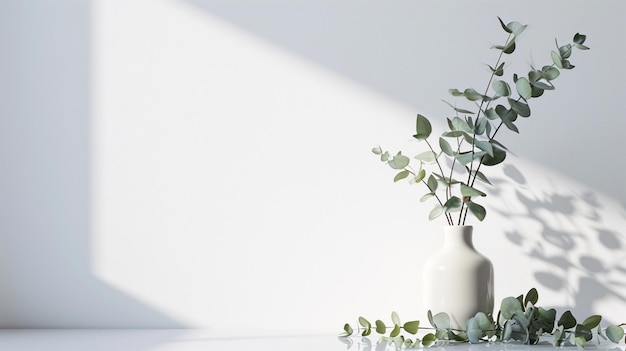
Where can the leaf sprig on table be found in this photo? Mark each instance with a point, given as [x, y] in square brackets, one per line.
[519, 319]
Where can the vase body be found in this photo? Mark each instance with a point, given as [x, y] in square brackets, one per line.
[457, 279]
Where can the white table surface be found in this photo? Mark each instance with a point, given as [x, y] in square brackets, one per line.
[196, 340]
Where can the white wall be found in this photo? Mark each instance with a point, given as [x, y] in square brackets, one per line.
[206, 163]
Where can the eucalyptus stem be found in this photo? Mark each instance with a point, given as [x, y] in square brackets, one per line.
[519, 319]
[471, 179]
[480, 164]
[448, 193]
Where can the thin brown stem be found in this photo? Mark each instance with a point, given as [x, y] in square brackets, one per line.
[471, 179]
[448, 216]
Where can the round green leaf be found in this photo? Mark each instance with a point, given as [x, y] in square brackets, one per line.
[545, 319]
[453, 134]
[467, 190]
[477, 210]
[523, 88]
[550, 73]
[485, 323]
[567, 320]
[399, 161]
[535, 75]
[385, 156]
[412, 327]
[436, 212]
[395, 318]
[485, 146]
[556, 58]
[458, 124]
[510, 306]
[364, 322]
[566, 64]
[395, 331]
[445, 147]
[498, 156]
[348, 329]
[501, 88]
[592, 321]
[537, 92]
[474, 332]
[491, 113]
[401, 175]
[453, 204]
[479, 175]
[565, 51]
[455, 92]
[428, 339]
[429, 315]
[420, 176]
[426, 197]
[579, 38]
[509, 47]
[472, 95]
[423, 128]
[581, 47]
[427, 157]
[520, 108]
[481, 126]
[377, 150]
[532, 296]
[380, 327]
[614, 333]
[432, 184]
[542, 85]
[516, 28]
[441, 320]
[469, 156]
[506, 114]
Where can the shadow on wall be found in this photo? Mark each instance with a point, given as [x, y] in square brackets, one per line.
[45, 260]
[581, 257]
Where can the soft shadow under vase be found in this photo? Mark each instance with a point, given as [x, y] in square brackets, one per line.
[457, 279]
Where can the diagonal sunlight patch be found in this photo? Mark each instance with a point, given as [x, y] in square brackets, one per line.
[225, 168]
[233, 188]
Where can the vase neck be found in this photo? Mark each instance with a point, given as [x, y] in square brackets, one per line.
[458, 236]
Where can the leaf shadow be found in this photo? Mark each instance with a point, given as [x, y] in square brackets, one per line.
[581, 254]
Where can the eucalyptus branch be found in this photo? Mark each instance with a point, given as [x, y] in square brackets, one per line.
[493, 74]
[477, 130]
[519, 319]
[436, 159]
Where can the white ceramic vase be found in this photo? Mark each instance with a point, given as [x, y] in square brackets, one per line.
[457, 279]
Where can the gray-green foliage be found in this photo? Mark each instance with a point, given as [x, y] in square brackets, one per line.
[519, 320]
[470, 139]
